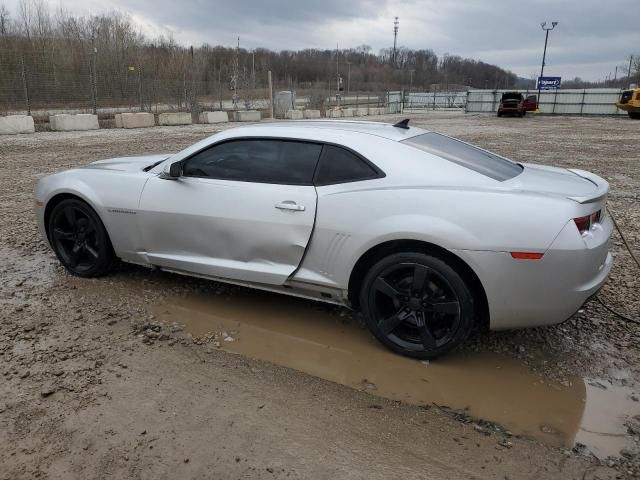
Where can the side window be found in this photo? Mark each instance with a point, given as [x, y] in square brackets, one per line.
[257, 160]
[338, 165]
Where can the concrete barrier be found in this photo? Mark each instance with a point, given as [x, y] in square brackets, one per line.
[293, 114]
[347, 112]
[13, 124]
[246, 116]
[66, 122]
[361, 112]
[213, 117]
[311, 113]
[135, 120]
[376, 111]
[334, 113]
[177, 118]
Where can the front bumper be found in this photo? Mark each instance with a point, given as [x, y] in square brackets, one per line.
[530, 293]
[629, 107]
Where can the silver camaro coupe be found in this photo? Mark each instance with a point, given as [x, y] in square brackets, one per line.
[423, 233]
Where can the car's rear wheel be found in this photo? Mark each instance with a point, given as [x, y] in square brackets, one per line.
[634, 115]
[79, 239]
[417, 305]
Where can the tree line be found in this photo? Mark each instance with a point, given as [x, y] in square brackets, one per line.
[63, 56]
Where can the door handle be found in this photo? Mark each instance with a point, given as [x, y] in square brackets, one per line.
[290, 205]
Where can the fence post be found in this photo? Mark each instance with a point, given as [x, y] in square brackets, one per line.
[270, 94]
[466, 103]
[140, 89]
[94, 79]
[555, 99]
[584, 94]
[25, 85]
[220, 86]
[184, 87]
[368, 103]
[194, 95]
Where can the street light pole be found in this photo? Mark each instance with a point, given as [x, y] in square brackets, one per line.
[544, 54]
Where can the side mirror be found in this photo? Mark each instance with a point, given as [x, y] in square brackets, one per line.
[175, 170]
[174, 173]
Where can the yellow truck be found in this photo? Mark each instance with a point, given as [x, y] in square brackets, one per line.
[630, 102]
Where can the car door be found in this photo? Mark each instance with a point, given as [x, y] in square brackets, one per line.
[243, 209]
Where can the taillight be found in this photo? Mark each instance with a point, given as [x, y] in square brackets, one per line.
[584, 223]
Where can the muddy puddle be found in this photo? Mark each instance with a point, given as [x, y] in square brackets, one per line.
[311, 338]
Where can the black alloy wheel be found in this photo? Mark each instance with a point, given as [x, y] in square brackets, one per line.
[417, 305]
[79, 239]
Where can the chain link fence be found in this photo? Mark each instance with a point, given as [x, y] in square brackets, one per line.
[36, 84]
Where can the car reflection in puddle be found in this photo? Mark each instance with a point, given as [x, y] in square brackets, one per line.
[307, 337]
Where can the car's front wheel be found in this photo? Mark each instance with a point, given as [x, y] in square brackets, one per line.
[417, 305]
[79, 239]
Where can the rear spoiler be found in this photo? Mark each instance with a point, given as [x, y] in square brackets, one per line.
[602, 187]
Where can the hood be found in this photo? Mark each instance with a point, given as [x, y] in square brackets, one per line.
[556, 181]
[128, 164]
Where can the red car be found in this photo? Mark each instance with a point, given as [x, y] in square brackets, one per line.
[514, 103]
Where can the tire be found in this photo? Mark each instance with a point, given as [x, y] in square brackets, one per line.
[417, 305]
[499, 114]
[524, 113]
[79, 239]
[634, 115]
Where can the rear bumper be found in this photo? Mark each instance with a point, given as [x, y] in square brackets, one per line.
[530, 293]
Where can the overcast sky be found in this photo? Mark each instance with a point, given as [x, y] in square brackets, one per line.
[593, 36]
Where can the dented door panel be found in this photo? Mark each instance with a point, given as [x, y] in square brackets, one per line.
[246, 231]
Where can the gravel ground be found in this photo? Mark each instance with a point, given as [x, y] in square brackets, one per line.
[93, 387]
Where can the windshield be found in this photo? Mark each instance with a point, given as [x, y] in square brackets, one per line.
[473, 158]
[512, 96]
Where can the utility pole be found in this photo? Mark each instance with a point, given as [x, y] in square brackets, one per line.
[544, 54]
[615, 75]
[629, 71]
[348, 77]
[396, 25]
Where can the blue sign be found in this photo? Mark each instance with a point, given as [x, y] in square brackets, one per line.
[549, 83]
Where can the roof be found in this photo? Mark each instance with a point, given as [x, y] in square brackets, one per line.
[385, 130]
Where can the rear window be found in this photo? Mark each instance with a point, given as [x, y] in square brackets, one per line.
[473, 158]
